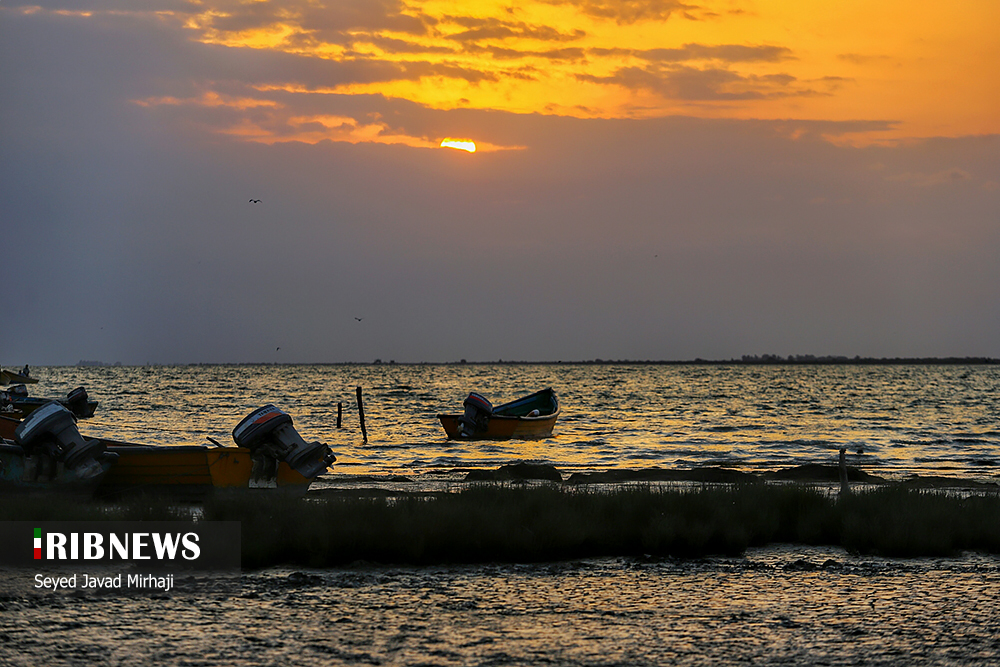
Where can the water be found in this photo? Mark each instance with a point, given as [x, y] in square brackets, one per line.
[779, 605]
[776, 606]
[895, 421]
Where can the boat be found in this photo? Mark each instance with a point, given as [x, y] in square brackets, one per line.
[16, 377]
[17, 403]
[529, 417]
[19, 475]
[191, 471]
[269, 454]
[8, 425]
[48, 456]
[47, 452]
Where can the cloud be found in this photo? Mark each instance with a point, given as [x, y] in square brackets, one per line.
[315, 129]
[831, 131]
[626, 12]
[106, 6]
[731, 53]
[512, 60]
[323, 22]
[396, 46]
[710, 84]
[209, 98]
[569, 54]
[480, 29]
[861, 59]
[922, 180]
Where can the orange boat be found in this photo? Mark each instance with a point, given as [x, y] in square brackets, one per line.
[269, 454]
[191, 471]
[527, 418]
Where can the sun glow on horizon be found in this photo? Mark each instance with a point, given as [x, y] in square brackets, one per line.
[460, 144]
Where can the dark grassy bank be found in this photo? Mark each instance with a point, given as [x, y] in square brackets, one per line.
[517, 524]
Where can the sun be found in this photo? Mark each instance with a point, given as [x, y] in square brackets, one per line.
[460, 144]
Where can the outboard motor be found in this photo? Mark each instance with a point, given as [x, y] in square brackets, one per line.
[269, 435]
[49, 434]
[476, 417]
[76, 401]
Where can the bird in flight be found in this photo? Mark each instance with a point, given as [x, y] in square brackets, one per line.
[358, 318]
[276, 349]
[254, 201]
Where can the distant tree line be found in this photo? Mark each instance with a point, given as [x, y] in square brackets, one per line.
[745, 360]
[765, 359]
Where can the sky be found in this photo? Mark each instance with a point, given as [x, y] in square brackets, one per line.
[651, 180]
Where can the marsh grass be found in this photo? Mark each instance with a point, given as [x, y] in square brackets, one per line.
[514, 523]
[508, 523]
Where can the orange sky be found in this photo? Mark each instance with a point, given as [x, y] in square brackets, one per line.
[926, 67]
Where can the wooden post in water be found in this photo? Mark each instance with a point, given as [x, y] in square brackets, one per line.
[361, 414]
[845, 487]
[340, 413]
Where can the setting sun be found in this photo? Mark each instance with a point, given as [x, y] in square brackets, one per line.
[460, 144]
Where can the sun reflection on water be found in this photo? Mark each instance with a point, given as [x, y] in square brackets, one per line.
[893, 420]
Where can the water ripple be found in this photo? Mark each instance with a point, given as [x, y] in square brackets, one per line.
[905, 419]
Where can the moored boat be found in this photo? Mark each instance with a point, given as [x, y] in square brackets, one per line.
[49, 456]
[16, 377]
[269, 454]
[8, 425]
[18, 403]
[19, 475]
[529, 417]
[191, 471]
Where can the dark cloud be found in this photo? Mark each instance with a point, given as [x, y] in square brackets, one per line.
[398, 46]
[567, 54]
[116, 6]
[331, 22]
[709, 84]
[732, 53]
[478, 29]
[631, 11]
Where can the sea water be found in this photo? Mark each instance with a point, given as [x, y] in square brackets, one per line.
[782, 604]
[894, 420]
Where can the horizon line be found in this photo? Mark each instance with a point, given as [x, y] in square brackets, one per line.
[745, 360]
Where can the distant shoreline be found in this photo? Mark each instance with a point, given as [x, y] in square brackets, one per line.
[764, 360]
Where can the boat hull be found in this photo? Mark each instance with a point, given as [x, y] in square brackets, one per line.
[10, 377]
[528, 418]
[504, 428]
[191, 471]
[65, 482]
[7, 426]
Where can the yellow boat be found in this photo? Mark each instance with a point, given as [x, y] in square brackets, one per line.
[530, 417]
[191, 471]
[269, 454]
